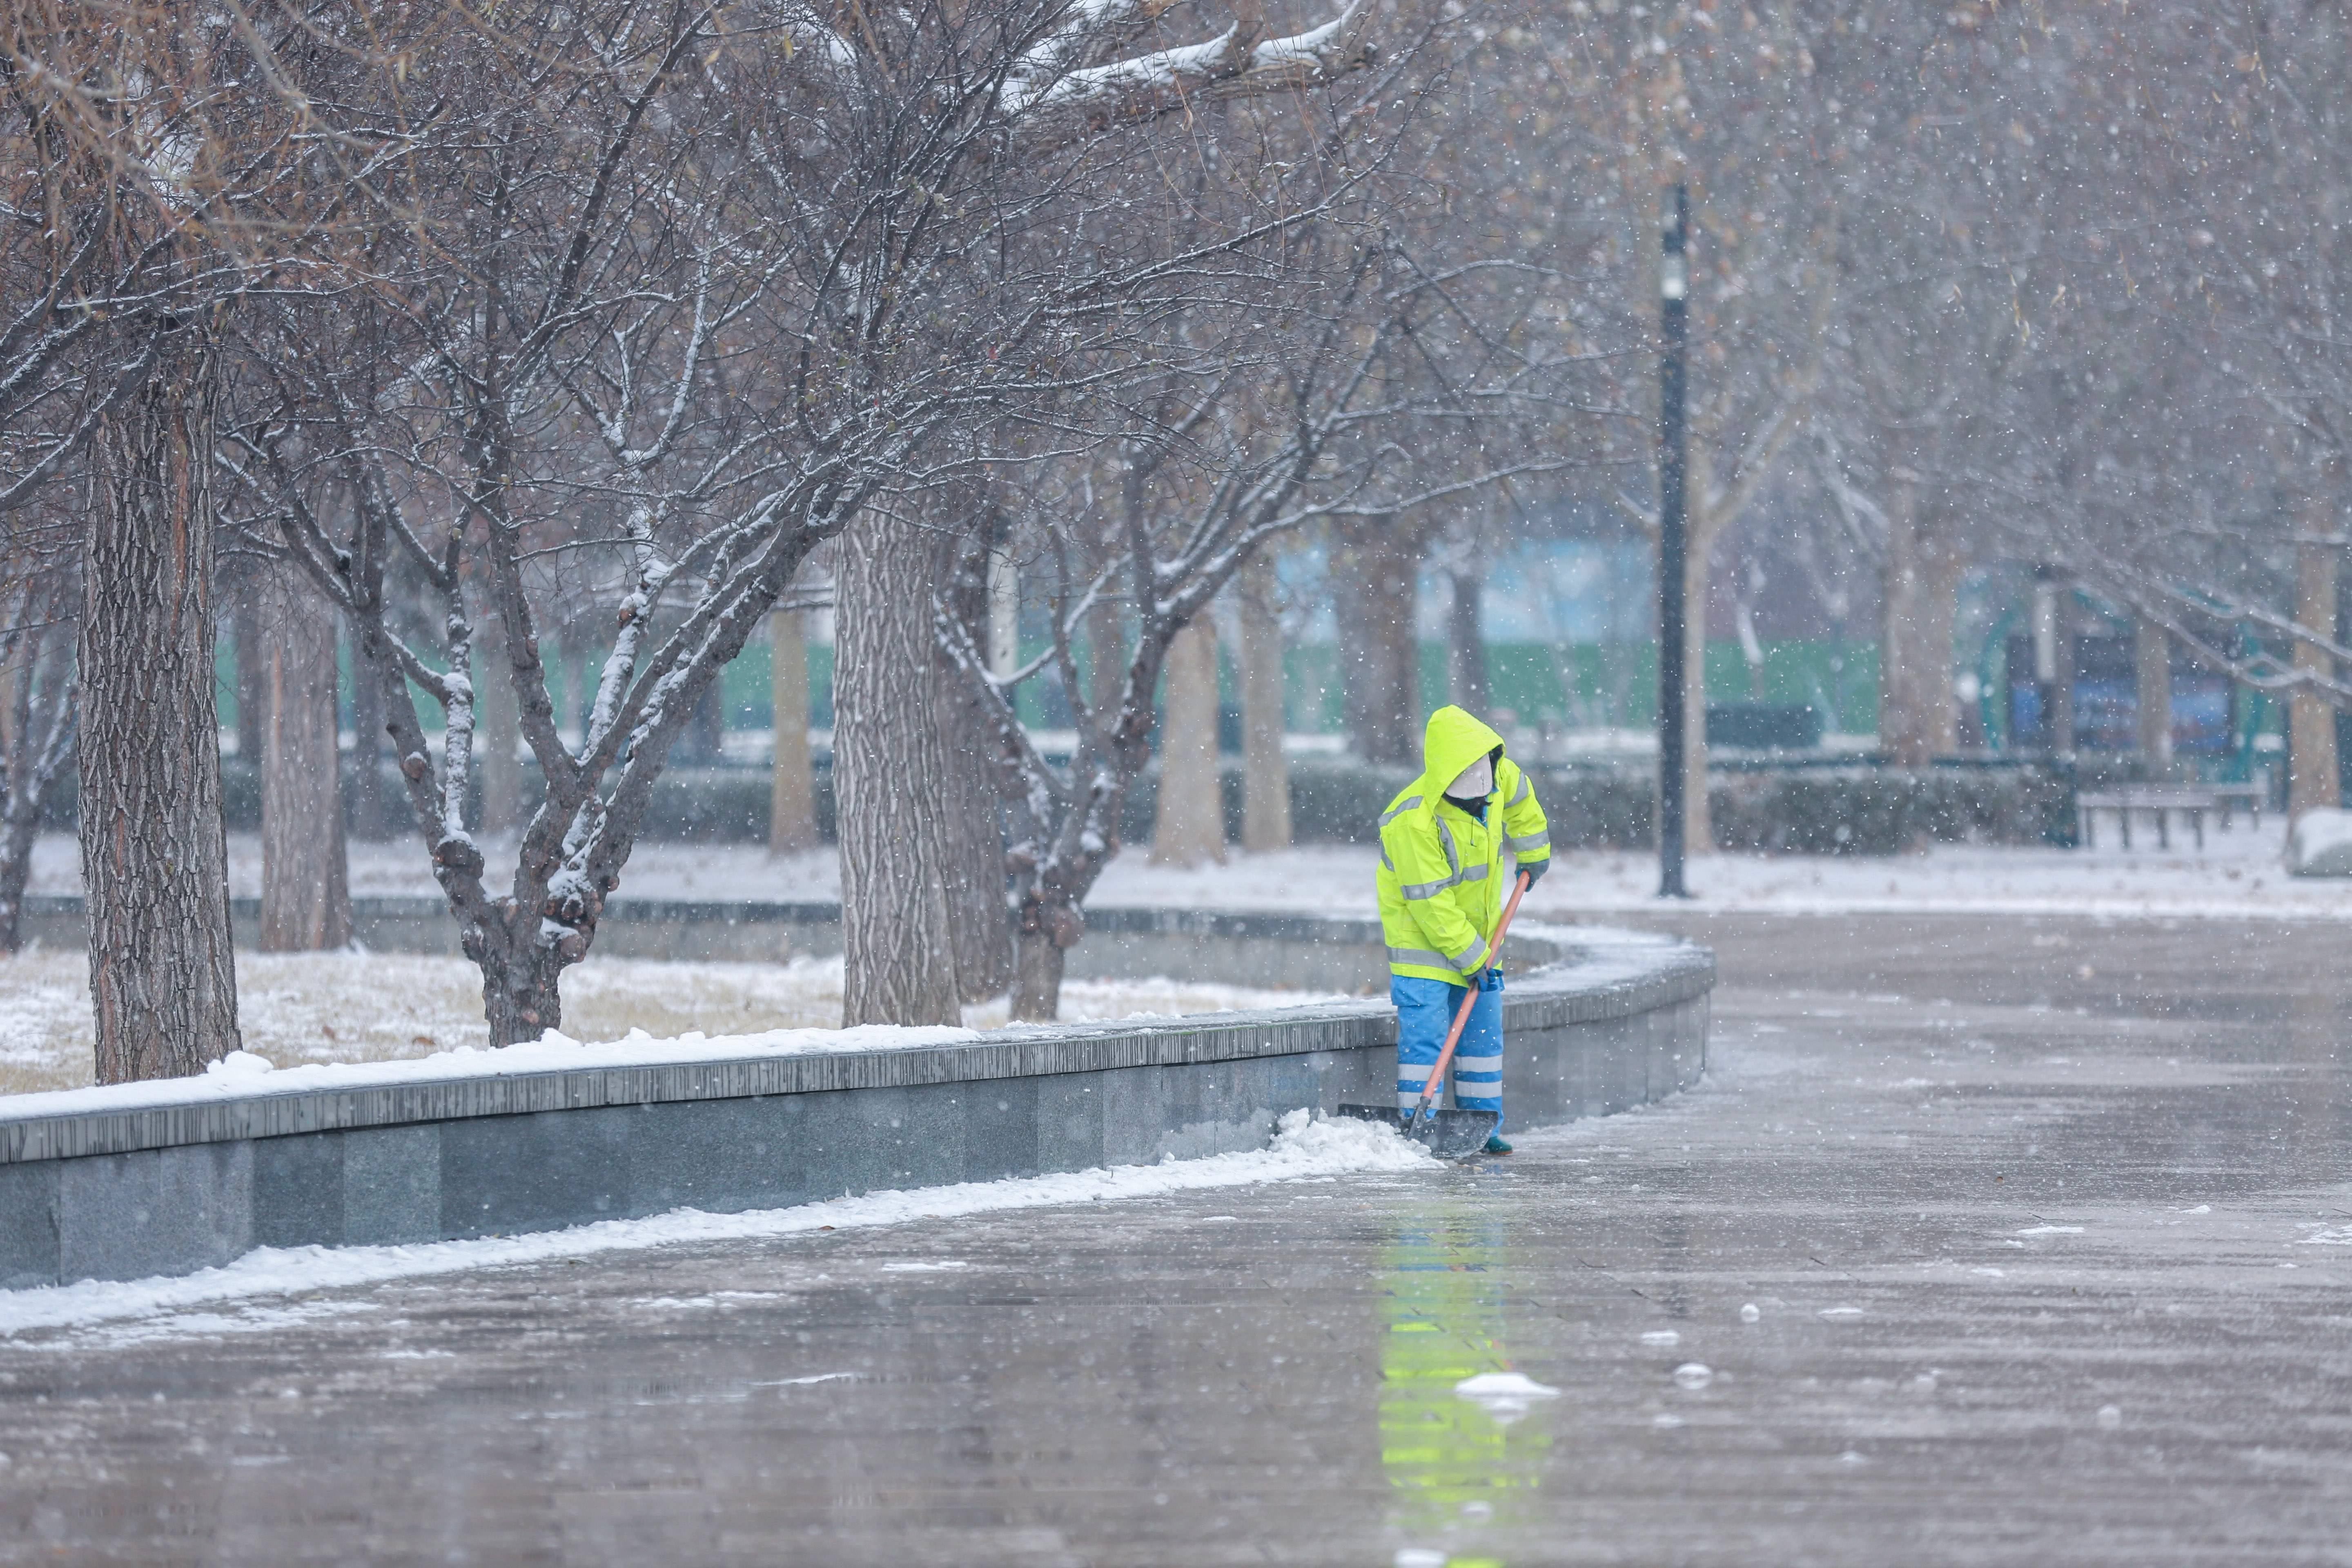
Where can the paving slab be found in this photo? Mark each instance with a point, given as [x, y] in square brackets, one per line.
[2046, 1224]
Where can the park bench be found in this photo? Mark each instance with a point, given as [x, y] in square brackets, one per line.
[2157, 802]
[2228, 797]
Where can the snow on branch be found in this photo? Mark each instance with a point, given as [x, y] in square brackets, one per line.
[1238, 63]
[1085, 29]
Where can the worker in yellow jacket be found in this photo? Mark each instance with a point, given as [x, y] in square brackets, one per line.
[1441, 877]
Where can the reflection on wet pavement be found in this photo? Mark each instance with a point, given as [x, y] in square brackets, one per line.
[1985, 1242]
[1455, 1462]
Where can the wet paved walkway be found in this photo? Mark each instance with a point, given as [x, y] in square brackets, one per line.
[2044, 1226]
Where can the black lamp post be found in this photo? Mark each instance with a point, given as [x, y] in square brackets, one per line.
[1674, 326]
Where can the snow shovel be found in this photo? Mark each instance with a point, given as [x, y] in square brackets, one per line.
[1451, 1134]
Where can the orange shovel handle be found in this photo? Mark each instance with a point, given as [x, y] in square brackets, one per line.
[1436, 1084]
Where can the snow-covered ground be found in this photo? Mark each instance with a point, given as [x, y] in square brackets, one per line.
[2240, 874]
[298, 1008]
[346, 1007]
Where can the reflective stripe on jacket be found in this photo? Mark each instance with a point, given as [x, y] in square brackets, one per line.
[1442, 873]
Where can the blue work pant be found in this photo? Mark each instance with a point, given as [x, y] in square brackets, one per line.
[1425, 1010]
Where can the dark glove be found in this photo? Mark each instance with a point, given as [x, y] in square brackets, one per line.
[1533, 871]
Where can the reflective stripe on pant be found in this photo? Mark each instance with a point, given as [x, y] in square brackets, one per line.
[1425, 1010]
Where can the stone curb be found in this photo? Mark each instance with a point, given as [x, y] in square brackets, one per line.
[1556, 996]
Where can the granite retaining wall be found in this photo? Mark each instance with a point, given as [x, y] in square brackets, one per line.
[1611, 1020]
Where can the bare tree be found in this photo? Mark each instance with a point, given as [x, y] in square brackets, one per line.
[2174, 439]
[161, 167]
[1266, 769]
[1365, 377]
[306, 900]
[1189, 821]
[129, 165]
[1751, 115]
[1077, 99]
[154, 858]
[1376, 581]
[38, 601]
[591, 336]
[791, 801]
[722, 301]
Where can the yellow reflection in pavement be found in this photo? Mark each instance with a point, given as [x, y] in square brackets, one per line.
[1453, 1465]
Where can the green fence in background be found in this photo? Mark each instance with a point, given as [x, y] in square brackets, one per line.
[1612, 685]
[1579, 685]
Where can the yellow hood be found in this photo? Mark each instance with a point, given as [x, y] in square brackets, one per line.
[1453, 741]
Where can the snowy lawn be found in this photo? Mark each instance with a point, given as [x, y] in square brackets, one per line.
[341, 1007]
[361, 1008]
[2238, 874]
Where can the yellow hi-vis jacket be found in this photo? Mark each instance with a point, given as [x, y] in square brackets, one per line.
[1441, 876]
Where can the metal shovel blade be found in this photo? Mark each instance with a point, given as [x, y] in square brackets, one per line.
[1449, 1134]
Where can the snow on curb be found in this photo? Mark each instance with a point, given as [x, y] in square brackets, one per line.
[242, 1073]
[1304, 1144]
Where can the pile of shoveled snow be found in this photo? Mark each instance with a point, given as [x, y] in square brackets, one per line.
[1306, 1145]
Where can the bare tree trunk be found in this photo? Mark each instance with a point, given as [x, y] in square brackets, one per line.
[249, 647]
[966, 805]
[888, 749]
[1266, 769]
[2152, 676]
[154, 863]
[1918, 603]
[371, 802]
[1466, 643]
[2313, 782]
[792, 800]
[499, 732]
[1037, 978]
[1105, 661]
[306, 902]
[523, 996]
[1189, 827]
[1377, 578]
[37, 715]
